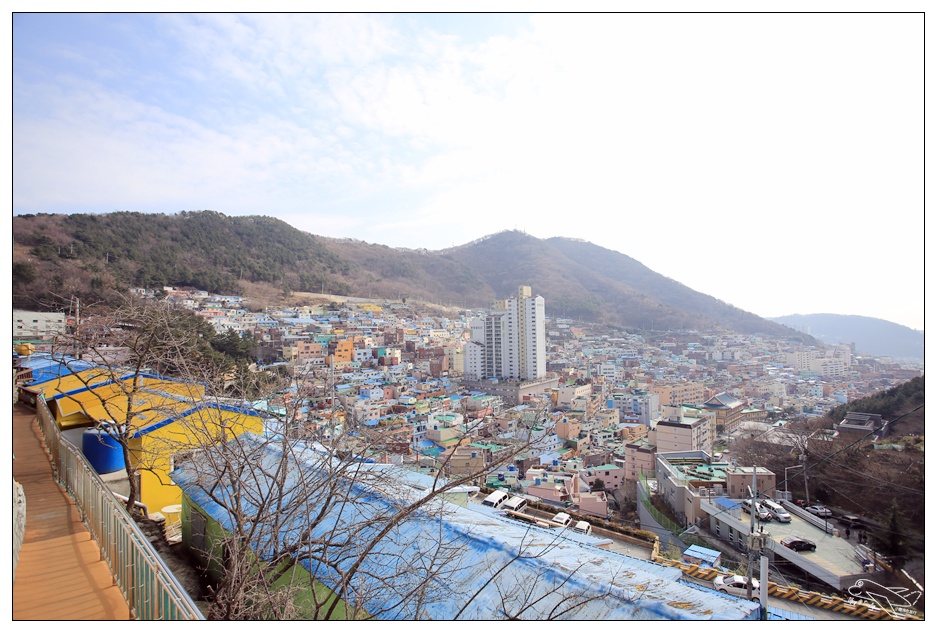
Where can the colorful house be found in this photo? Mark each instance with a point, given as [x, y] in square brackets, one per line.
[168, 418]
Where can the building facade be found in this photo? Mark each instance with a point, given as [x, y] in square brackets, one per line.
[510, 342]
[728, 411]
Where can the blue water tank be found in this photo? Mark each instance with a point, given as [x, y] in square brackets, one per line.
[510, 468]
[103, 452]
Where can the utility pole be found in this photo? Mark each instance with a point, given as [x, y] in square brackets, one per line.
[76, 348]
[757, 541]
[754, 508]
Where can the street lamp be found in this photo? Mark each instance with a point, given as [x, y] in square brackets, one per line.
[805, 478]
[785, 470]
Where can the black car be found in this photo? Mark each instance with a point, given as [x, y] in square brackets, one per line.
[798, 544]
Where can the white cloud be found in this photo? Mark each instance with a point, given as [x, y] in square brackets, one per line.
[749, 156]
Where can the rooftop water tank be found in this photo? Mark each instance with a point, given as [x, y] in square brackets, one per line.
[103, 452]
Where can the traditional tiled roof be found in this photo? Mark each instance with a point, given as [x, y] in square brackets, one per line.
[723, 400]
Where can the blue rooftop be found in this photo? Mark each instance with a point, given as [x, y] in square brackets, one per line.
[564, 576]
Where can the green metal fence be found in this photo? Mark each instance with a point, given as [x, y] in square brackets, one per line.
[666, 522]
[151, 590]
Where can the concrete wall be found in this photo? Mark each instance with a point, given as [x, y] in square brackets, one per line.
[19, 522]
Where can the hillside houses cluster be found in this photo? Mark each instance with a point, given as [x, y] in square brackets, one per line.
[392, 373]
[381, 384]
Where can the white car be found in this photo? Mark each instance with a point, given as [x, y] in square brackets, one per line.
[737, 585]
[819, 510]
[777, 512]
[762, 514]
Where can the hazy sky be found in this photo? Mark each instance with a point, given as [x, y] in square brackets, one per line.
[774, 161]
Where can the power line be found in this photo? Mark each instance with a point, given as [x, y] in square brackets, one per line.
[820, 462]
[853, 443]
[878, 479]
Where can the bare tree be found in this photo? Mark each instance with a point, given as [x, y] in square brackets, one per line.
[299, 513]
[127, 348]
[290, 504]
[302, 523]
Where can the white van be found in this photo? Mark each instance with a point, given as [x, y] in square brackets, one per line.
[762, 513]
[495, 499]
[516, 503]
[582, 527]
[777, 512]
[562, 519]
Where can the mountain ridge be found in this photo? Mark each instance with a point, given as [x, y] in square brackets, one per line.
[58, 255]
[872, 336]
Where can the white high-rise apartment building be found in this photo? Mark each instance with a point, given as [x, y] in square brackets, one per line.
[510, 342]
[800, 360]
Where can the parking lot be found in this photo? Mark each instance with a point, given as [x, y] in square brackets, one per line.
[834, 553]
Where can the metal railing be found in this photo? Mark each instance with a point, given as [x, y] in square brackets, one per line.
[151, 590]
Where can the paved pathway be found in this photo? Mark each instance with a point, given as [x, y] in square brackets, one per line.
[60, 574]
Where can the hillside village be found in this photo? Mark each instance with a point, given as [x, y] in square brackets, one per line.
[608, 420]
[479, 316]
[396, 368]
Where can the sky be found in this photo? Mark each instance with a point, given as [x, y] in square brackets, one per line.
[774, 161]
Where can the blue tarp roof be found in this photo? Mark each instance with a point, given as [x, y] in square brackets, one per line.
[479, 544]
[726, 503]
[45, 367]
[708, 556]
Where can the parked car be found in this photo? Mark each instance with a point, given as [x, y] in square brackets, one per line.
[496, 499]
[582, 527]
[819, 510]
[798, 544]
[851, 521]
[762, 514]
[737, 585]
[777, 512]
[515, 503]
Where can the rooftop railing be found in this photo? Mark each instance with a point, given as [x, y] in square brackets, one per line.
[152, 592]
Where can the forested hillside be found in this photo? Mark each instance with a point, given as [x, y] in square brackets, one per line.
[890, 404]
[56, 257]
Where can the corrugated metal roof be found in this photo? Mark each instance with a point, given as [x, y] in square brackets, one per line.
[538, 565]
